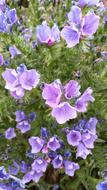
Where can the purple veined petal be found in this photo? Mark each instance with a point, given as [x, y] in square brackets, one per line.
[82, 102]
[53, 144]
[57, 162]
[74, 138]
[23, 126]
[88, 139]
[71, 35]
[18, 93]
[64, 112]
[91, 125]
[28, 176]
[55, 33]
[2, 4]
[29, 79]
[36, 176]
[52, 94]
[14, 51]
[83, 3]
[36, 144]
[90, 24]
[39, 165]
[1, 60]
[3, 23]
[20, 115]
[71, 89]
[70, 167]
[10, 133]
[10, 77]
[75, 15]
[43, 32]
[12, 16]
[82, 151]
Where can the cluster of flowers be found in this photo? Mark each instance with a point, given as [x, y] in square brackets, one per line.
[23, 124]
[57, 97]
[8, 17]
[48, 150]
[17, 81]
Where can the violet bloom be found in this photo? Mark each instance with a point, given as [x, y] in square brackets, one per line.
[79, 26]
[82, 151]
[20, 115]
[23, 126]
[14, 51]
[91, 125]
[82, 102]
[32, 175]
[3, 23]
[13, 170]
[70, 167]
[11, 78]
[18, 93]
[74, 138]
[52, 94]
[71, 89]
[24, 167]
[88, 139]
[2, 4]
[29, 79]
[39, 165]
[36, 144]
[83, 3]
[12, 16]
[3, 174]
[10, 133]
[57, 162]
[47, 35]
[1, 60]
[53, 144]
[102, 185]
[64, 112]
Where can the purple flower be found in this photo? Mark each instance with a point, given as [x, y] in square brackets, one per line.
[14, 51]
[39, 165]
[102, 186]
[20, 115]
[88, 139]
[74, 138]
[53, 144]
[3, 23]
[29, 79]
[32, 116]
[83, 3]
[82, 102]
[17, 82]
[12, 16]
[18, 93]
[3, 174]
[1, 60]
[64, 112]
[13, 170]
[79, 26]
[91, 125]
[52, 94]
[2, 5]
[21, 68]
[10, 134]
[24, 167]
[36, 144]
[70, 167]
[24, 126]
[47, 35]
[82, 151]
[57, 162]
[10, 76]
[71, 89]
[32, 175]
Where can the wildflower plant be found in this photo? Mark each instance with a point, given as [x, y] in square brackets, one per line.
[53, 94]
